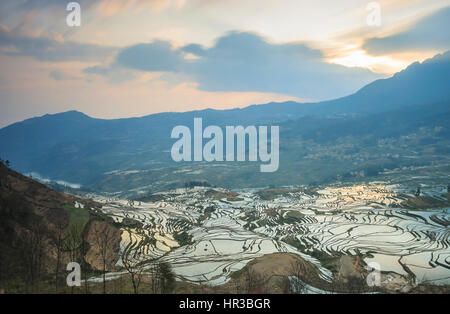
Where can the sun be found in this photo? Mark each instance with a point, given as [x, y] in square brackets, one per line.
[378, 64]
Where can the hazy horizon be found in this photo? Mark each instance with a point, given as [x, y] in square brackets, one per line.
[131, 59]
[204, 148]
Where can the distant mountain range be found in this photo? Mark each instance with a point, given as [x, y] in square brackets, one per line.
[399, 121]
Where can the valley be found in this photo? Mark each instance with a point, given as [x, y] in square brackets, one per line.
[361, 185]
[225, 230]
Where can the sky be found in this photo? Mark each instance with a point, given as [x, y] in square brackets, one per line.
[133, 58]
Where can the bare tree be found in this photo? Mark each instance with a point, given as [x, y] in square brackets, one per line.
[83, 251]
[58, 242]
[33, 252]
[167, 277]
[163, 278]
[72, 244]
[154, 273]
[297, 271]
[134, 267]
[103, 236]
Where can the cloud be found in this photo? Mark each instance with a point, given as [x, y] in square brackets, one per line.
[60, 75]
[27, 5]
[47, 49]
[194, 49]
[103, 7]
[429, 33]
[246, 62]
[237, 62]
[114, 73]
[154, 57]
[113, 7]
[17, 9]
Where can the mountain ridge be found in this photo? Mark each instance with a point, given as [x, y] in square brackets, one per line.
[437, 59]
[74, 147]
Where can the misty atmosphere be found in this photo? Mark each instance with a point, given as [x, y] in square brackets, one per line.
[198, 153]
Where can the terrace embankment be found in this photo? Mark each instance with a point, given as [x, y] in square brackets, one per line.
[269, 274]
[425, 202]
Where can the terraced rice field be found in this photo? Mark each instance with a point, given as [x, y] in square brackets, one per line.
[228, 232]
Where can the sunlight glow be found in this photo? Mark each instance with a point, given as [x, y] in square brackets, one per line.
[378, 64]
